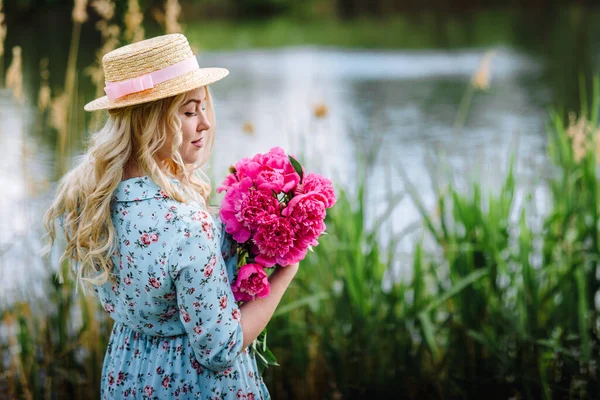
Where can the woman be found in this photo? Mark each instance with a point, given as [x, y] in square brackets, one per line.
[139, 231]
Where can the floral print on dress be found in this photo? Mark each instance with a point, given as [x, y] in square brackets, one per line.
[177, 331]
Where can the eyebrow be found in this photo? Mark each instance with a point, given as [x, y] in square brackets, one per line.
[192, 101]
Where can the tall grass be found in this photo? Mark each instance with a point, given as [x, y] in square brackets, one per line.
[58, 346]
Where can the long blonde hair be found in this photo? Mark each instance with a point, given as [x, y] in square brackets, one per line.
[131, 135]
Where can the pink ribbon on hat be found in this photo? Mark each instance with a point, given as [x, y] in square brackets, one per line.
[116, 90]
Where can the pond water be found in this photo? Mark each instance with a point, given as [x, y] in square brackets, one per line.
[394, 109]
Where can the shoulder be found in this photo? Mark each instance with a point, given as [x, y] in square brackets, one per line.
[194, 224]
[196, 238]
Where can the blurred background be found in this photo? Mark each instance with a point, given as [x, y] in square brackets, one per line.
[462, 256]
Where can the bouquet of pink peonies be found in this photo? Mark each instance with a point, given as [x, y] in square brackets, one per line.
[274, 213]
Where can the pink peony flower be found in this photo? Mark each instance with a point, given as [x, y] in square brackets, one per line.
[228, 182]
[306, 213]
[275, 237]
[277, 161]
[319, 184]
[252, 282]
[269, 179]
[246, 168]
[230, 210]
[294, 255]
[257, 207]
[252, 211]
[275, 243]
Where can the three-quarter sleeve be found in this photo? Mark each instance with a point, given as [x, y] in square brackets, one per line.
[229, 253]
[207, 308]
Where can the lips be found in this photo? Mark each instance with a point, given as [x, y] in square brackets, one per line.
[198, 143]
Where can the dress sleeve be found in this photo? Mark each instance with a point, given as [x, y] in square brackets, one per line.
[207, 308]
[229, 253]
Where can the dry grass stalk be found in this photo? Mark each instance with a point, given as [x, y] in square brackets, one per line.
[59, 117]
[481, 79]
[79, 17]
[110, 38]
[134, 31]
[2, 37]
[14, 75]
[320, 110]
[159, 15]
[16, 365]
[172, 11]
[96, 75]
[110, 41]
[60, 108]
[583, 135]
[44, 96]
[104, 8]
[79, 14]
[9, 323]
[248, 128]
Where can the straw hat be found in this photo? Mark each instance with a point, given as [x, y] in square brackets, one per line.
[150, 70]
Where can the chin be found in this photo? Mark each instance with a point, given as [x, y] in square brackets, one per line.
[191, 160]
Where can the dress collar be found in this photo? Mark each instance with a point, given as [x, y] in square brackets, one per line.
[139, 188]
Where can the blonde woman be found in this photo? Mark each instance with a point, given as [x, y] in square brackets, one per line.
[139, 233]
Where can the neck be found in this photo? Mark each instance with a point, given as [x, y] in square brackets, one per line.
[131, 170]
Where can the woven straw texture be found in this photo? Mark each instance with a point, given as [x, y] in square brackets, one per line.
[147, 56]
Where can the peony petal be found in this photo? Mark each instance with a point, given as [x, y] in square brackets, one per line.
[267, 262]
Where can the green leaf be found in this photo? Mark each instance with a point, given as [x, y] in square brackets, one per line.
[270, 357]
[429, 334]
[297, 166]
[264, 356]
[458, 287]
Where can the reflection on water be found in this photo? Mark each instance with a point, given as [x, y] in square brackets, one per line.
[394, 107]
[24, 175]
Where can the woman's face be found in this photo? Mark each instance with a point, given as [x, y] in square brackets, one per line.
[194, 127]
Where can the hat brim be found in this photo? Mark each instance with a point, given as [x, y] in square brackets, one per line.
[181, 84]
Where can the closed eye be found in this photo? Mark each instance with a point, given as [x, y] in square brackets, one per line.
[190, 114]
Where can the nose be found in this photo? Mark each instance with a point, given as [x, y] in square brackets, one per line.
[203, 124]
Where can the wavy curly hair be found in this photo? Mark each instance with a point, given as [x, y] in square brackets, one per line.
[131, 136]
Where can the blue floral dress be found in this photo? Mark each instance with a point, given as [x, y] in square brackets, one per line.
[177, 331]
